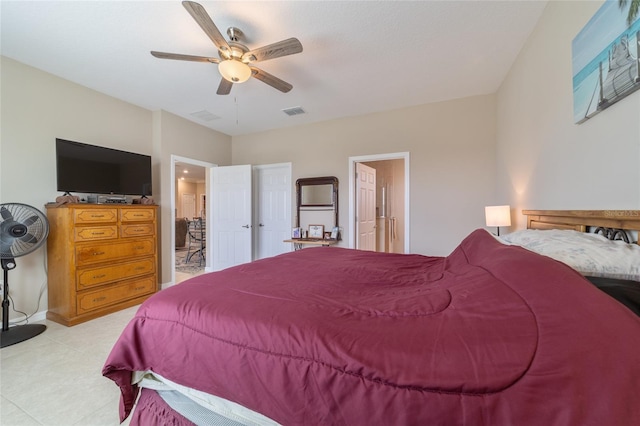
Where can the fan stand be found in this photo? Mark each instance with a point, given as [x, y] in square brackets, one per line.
[19, 333]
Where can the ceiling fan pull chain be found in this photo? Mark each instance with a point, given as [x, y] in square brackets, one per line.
[235, 99]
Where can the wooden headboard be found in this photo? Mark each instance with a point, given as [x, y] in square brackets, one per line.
[581, 220]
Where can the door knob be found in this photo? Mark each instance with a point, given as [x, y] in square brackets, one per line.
[260, 224]
[245, 226]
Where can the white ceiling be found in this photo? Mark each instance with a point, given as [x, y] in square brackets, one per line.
[359, 57]
[189, 172]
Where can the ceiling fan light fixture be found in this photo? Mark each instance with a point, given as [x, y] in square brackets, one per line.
[234, 71]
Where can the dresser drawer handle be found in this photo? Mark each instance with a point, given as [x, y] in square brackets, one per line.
[139, 268]
[95, 277]
[97, 215]
[97, 233]
[139, 288]
[99, 299]
[97, 253]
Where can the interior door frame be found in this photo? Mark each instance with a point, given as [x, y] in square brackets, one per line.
[407, 191]
[208, 166]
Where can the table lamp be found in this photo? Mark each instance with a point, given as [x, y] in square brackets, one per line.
[498, 216]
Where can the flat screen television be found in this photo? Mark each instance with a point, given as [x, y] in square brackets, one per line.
[97, 170]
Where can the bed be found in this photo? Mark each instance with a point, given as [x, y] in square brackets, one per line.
[493, 334]
[604, 256]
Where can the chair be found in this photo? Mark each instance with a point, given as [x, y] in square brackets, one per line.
[181, 231]
[196, 240]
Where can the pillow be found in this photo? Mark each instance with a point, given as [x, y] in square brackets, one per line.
[590, 254]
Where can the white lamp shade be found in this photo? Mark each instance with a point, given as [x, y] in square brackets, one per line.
[234, 71]
[498, 215]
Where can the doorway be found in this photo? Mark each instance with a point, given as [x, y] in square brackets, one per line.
[188, 200]
[250, 213]
[392, 225]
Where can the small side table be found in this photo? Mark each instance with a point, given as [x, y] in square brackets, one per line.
[299, 243]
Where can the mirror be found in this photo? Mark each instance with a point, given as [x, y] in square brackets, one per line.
[317, 202]
[316, 195]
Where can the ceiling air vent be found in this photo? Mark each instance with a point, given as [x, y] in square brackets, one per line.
[294, 111]
[205, 115]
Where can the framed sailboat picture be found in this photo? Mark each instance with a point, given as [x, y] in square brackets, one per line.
[605, 56]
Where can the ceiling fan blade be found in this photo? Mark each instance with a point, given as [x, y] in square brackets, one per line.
[180, 57]
[5, 213]
[201, 16]
[286, 47]
[271, 80]
[225, 87]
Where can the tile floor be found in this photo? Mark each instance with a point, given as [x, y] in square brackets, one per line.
[55, 378]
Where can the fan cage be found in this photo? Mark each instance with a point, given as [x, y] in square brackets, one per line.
[23, 216]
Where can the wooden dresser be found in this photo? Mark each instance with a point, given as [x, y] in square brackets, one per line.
[101, 258]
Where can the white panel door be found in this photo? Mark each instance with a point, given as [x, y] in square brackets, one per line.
[366, 207]
[273, 213]
[231, 216]
[188, 206]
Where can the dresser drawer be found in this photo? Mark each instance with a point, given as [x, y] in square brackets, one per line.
[92, 233]
[100, 252]
[100, 258]
[101, 215]
[137, 230]
[137, 214]
[92, 277]
[91, 300]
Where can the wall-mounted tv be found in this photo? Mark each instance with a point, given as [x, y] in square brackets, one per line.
[97, 170]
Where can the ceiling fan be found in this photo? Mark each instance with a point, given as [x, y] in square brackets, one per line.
[235, 59]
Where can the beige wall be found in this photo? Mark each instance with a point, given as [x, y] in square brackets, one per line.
[185, 139]
[37, 107]
[452, 164]
[544, 160]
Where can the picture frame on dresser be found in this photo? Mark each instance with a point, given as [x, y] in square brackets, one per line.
[316, 231]
[334, 233]
[296, 233]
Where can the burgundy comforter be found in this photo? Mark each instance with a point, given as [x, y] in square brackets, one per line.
[490, 335]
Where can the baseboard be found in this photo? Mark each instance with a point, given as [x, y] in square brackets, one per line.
[37, 317]
[165, 286]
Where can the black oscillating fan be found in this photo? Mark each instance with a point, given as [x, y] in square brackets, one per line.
[22, 230]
